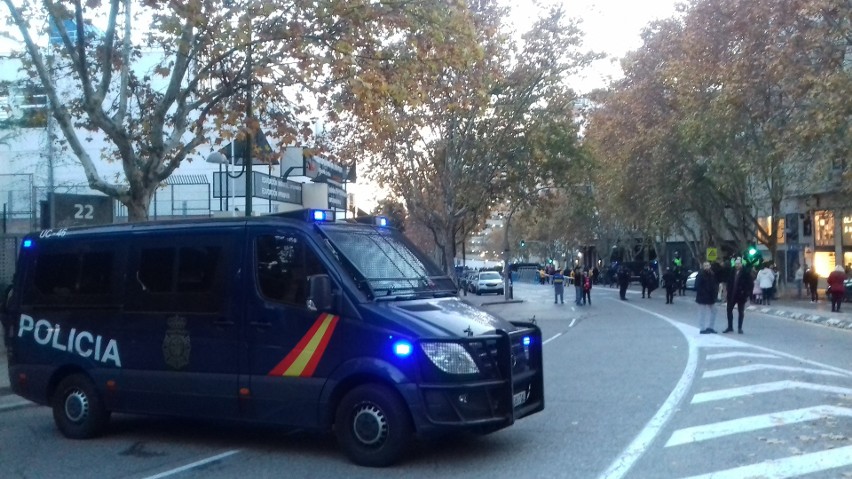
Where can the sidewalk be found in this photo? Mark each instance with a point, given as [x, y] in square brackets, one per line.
[803, 310]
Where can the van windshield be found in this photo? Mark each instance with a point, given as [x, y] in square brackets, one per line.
[382, 261]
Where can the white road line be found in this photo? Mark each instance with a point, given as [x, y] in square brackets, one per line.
[754, 423]
[572, 323]
[793, 466]
[551, 338]
[193, 465]
[740, 354]
[766, 388]
[759, 367]
[622, 464]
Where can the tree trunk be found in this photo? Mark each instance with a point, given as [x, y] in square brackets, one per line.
[137, 203]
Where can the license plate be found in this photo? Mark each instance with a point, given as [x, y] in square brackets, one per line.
[519, 399]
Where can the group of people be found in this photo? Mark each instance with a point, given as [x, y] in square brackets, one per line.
[739, 287]
[582, 281]
[741, 284]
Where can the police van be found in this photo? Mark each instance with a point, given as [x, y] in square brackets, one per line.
[292, 319]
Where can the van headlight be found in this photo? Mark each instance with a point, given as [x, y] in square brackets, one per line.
[450, 358]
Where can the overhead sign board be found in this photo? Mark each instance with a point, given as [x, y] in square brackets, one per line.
[68, 210]
[298, 161]
[264, 186]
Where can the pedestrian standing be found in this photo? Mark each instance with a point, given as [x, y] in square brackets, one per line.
[578, 286]
[798, 279]
[646, 278]
[587, 288]
[765, 279]
[838, 289]
[670, 283]
[558, 287]
[705, 296]
[811, 279]
[623, 282]
[740, 284]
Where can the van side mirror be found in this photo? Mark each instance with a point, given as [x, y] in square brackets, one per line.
[319, 292]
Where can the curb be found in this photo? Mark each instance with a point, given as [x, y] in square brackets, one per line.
[830, 321]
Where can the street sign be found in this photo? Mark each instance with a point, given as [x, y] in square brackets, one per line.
[712, 254]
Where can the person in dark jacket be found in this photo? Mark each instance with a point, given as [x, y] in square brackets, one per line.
[670, 283]
[811, 279]
[706, 287]
[740, 285]
[648, 279]
[623, 282]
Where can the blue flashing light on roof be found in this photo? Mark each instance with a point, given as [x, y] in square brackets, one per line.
[27, 243]
[381, 221]
[322, 215]
[402, 348]
[527, 340]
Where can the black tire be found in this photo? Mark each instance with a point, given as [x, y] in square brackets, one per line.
[372, 425]
[78, 410]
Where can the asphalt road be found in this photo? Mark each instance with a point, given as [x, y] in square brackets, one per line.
[632, 390]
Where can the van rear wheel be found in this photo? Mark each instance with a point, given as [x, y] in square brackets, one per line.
[78, 410]
[372, 425]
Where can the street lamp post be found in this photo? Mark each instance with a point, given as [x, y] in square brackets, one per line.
[250, 124]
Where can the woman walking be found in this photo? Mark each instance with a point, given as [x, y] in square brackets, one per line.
[838, 289]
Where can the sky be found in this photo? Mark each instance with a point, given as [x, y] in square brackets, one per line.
[612, 27]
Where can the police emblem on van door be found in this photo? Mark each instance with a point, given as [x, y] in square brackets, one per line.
[176, 344]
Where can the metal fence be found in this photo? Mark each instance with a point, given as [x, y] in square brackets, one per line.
[8, 256]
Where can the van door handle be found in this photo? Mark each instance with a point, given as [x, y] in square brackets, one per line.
[223, 322]
[261, 324]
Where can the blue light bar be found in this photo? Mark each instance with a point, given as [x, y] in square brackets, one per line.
[322, 215]
[27, 243]
[402, 348]
[381, 221]
[527, 340]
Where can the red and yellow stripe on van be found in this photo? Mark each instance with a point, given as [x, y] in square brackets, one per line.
[303, 359]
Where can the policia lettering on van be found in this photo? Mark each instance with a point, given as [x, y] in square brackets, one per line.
[290, 319]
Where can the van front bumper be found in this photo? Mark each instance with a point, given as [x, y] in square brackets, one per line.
[512, 387]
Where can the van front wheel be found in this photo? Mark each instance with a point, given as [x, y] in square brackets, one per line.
[372, 425]
[78, 410]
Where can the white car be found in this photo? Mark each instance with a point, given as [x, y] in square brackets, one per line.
[487, 282]
[690, 280]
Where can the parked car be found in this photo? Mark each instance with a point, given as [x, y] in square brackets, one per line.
[690, 280]
[487, 282]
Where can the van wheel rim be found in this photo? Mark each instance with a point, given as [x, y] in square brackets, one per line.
[370, 425]
[76, 406]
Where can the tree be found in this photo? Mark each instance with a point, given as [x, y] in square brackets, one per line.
[476, 136]
[222, 60]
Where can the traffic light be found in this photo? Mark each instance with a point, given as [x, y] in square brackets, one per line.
[752, 256]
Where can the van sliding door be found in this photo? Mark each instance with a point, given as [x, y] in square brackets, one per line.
[180, 340]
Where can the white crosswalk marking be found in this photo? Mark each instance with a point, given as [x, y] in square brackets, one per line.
[754, 423]
[792, 466]
[765, 388]
[741, 354]
[759, 367]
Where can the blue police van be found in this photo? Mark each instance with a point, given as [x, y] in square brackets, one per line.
[292, 319]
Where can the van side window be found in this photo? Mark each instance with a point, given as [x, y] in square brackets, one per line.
[283, 264]
[155, 269]
[183, 278]
[73, 278]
